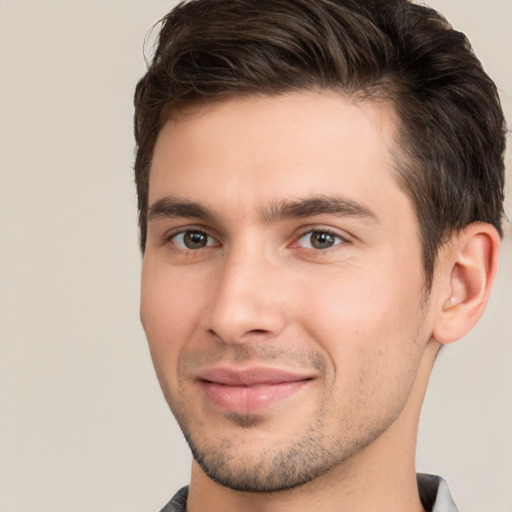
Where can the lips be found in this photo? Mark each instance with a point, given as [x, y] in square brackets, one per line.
[250, 390]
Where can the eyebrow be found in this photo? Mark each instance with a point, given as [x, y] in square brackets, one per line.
[173, 207]
[322, 205]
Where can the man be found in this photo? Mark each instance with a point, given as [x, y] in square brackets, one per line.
[320, 194]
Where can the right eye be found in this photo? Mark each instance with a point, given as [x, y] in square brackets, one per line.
[193, 240]
[319, 239]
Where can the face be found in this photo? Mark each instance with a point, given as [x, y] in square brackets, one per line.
[282, 284]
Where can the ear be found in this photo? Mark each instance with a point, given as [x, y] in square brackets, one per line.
[467, 266]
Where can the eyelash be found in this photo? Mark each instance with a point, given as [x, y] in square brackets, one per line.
[173, 236]
[338, 239]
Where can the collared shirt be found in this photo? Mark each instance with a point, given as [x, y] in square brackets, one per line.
[434, 494]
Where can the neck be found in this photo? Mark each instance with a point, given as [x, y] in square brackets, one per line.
[380, 477]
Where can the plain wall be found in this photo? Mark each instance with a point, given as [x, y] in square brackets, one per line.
[83, 426]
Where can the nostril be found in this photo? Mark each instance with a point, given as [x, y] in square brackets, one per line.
[252, 333]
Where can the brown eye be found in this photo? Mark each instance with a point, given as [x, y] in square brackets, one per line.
[319, 240]
[193, 240]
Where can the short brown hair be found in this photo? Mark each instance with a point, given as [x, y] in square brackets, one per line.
[451, 139]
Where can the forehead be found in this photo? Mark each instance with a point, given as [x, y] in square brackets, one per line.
[244, 152]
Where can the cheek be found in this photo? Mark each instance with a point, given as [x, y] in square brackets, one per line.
[363, 320]
[369, 335]
[170, 308]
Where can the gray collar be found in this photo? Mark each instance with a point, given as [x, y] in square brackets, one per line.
[434, 494]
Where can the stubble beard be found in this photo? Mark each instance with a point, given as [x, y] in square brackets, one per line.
[287, 461]
[286, 464]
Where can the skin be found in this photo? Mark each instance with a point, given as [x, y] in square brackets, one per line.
[261, 175]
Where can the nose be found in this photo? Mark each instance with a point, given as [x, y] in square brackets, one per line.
[248, 299]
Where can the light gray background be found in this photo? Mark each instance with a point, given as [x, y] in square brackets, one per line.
[83, 426]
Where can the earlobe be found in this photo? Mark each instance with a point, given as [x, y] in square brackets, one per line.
[467, 271]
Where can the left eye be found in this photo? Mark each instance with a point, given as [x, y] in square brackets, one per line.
[191, 240]
[319, 240]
